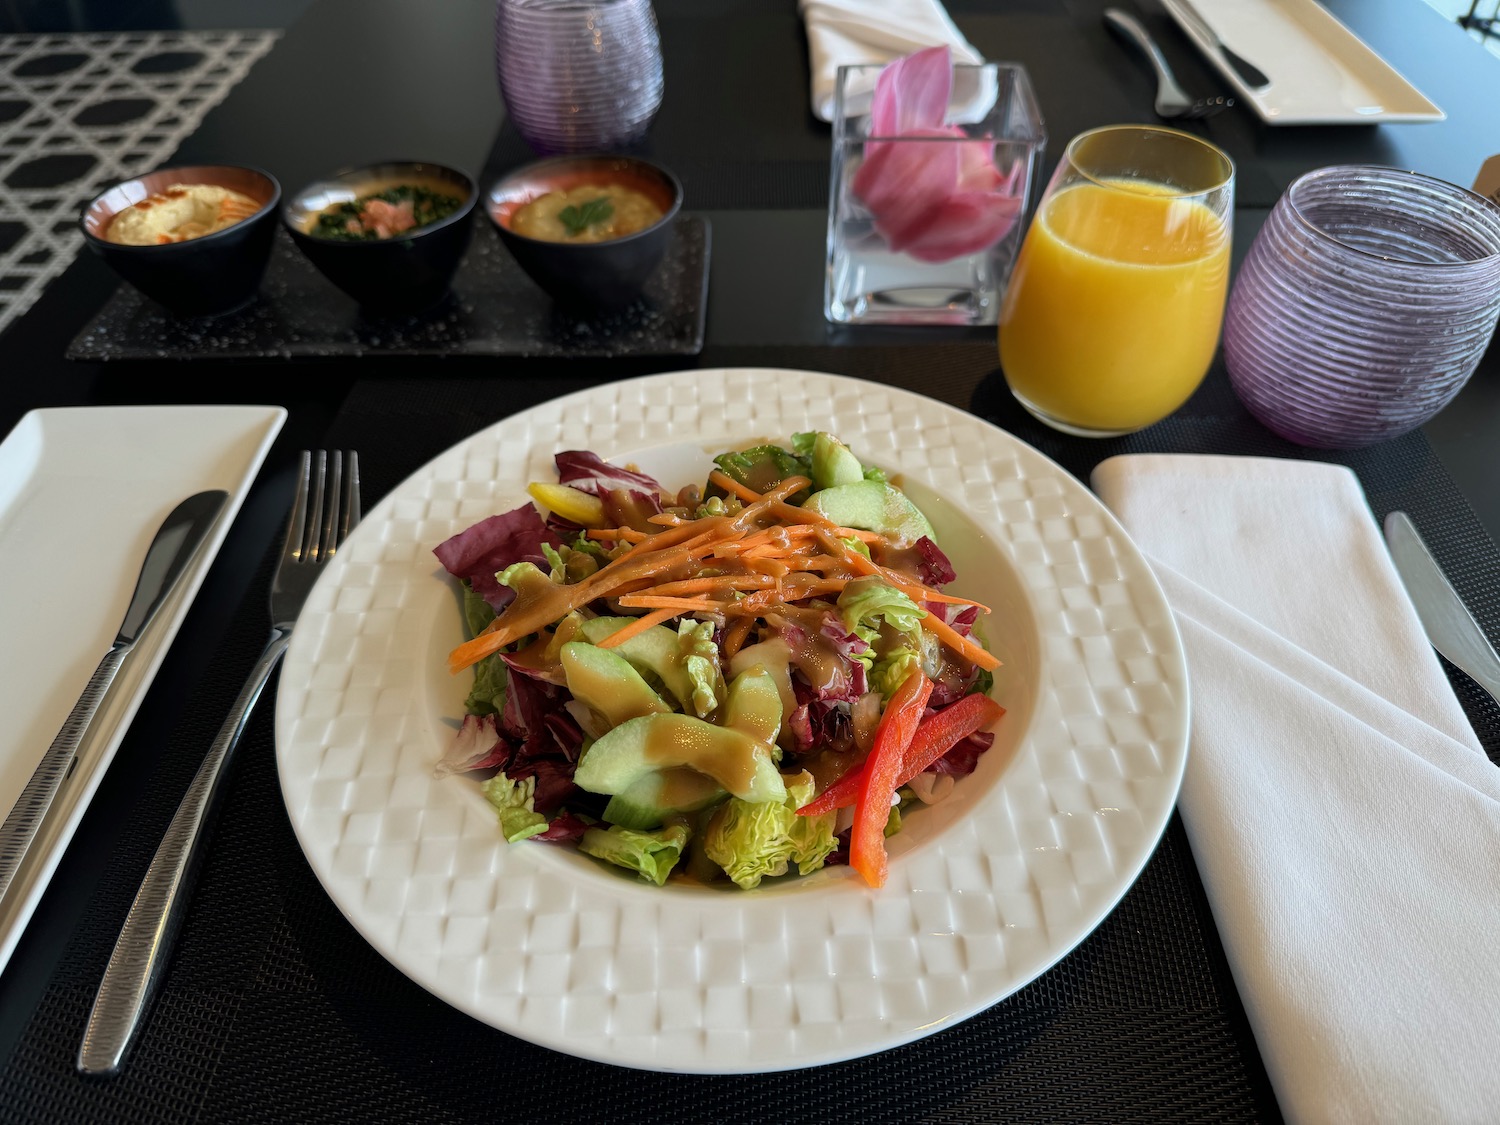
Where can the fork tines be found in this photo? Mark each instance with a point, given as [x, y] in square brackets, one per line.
[321, 474]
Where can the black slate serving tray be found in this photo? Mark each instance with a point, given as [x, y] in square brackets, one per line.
[493, 309]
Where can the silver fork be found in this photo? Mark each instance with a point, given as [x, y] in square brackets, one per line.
[325, 509]
[1172, 101]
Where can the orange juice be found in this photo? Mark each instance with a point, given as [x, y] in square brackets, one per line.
[1113, 311]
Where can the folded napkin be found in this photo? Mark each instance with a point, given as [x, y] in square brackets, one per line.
[1343, 816]
[848, 32]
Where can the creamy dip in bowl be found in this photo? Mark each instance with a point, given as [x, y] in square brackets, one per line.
[180, 212]
[194, 238]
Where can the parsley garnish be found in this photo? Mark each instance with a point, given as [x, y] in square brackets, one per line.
[584, 215]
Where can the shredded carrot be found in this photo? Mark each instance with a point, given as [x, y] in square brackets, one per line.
[730, 485]
[664, 572]
[677, 605]
[629, 534]
[644, 560]
[926, 593]
[913, 590]
[964, 646]
[710, 584]
[792, 591]
[842, 550]
[637, 627]
[734, 635]
[776, 568]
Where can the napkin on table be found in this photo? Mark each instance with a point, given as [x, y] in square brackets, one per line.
[1344, 819]
[848, 32]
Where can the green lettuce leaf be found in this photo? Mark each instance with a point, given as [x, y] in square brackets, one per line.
[569, 565]
[513, 805]
[753, 841]
[477, 611]
[764, 467]
[700, 659]
[652, 855]
[487, 693]
[890, 671]
[866, 599]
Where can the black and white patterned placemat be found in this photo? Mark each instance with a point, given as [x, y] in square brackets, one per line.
[81, 111]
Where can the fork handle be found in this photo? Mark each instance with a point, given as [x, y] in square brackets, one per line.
[140, 955]
[1130, 27]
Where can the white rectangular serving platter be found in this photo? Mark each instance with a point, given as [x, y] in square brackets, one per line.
[1321, 72]
[82, 492]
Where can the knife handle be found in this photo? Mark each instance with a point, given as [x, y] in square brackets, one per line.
[25, 818]
[1249, 73]
[139, 959]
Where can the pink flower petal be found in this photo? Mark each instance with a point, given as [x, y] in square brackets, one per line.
[912, 93]
[976, 167]
[930, 199]
[964, 224]
[899, 175]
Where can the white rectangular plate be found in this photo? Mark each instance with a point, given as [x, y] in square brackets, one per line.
[82, 492]
[1321, 72]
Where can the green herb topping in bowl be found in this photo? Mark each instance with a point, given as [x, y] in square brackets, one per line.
[386, 213]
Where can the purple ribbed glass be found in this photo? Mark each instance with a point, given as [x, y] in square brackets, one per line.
[578, 75]
[1364, 304]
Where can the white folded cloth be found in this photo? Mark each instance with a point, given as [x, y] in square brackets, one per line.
[848, 32]
[1342, 814]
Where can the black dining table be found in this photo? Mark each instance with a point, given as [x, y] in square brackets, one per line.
[274, 1008]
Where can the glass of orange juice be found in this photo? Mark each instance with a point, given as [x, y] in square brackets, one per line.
[1112, 314]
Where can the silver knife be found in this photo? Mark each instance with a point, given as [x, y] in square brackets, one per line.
[1450, 626]
[1252, 76]
[174, 546]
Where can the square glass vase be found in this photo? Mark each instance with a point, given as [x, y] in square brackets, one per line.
[869, 283]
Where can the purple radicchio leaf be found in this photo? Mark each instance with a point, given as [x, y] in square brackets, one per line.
[480, 552]
[933, 567]
[554, 783]
[842, 679]
[587, 472]
[564, 829]
[629, 497]
[529, 699]
[476, 745]
[820, 724]
[964, 757]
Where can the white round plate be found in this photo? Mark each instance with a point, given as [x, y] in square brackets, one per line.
[986, 890]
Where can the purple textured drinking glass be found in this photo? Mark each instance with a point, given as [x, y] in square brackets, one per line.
[578, 75]
[1364, 304]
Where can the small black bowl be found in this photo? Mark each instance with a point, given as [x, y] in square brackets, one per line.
[587, 276]
[404, 274]
[204, 276]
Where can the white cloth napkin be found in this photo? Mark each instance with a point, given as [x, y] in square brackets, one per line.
[1343, 817]
[848, 32]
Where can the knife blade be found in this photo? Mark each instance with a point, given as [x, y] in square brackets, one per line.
[1250, 74]
[1449, 625]
[172, 548]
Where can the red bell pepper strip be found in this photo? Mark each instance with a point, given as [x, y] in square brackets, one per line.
[940, 732]
[872, 807]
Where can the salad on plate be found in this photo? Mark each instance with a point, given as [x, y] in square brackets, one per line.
[756, 673]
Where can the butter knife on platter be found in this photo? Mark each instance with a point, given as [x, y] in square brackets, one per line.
[173, 548]
[1252, 76]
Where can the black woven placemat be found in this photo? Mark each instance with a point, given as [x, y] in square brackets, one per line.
[275, 1009]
